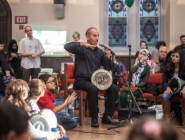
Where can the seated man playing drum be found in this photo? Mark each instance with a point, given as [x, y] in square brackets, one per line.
[88, 59]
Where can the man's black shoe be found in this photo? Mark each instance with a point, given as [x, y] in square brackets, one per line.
[108, 120]
[94, 122]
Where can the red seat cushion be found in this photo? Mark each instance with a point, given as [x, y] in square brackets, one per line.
[160, 96]
[70, 70]
[148, 95]
[61, 92]
[70, 80]
[155, 78]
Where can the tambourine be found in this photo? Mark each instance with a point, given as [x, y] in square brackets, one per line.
[45, 120]
[102, 79]
[176, 84]
[39, 122]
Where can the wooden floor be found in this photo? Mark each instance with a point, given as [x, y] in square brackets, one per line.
[86, 132]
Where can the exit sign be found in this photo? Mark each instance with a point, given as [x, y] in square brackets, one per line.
[21, 19]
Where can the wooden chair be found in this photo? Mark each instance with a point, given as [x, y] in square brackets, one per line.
[173, 99]
[121, 80]
[69, 78]
[156, 79]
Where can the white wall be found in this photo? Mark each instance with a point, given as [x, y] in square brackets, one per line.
[177, 21]
[79, 15]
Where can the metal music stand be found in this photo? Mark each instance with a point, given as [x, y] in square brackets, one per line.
[129, 118]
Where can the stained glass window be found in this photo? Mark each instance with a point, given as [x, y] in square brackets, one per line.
[149, 21]
[117, 13]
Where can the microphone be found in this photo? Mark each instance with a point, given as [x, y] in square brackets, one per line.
[102, 45]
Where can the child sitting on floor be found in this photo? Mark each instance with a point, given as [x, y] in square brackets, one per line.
[48, 100]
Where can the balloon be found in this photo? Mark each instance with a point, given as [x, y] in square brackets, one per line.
[129, 3]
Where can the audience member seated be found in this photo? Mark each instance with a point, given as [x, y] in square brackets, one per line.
[14, 59]
[1, 47]
[121, 66]
[143, 45]
[140, 74]
[151, 129]
[47, 101]
[109, 54]
[160, 59]
[37, 90]
[182, 45]
[117, 67]
[153, 88]
[168, 58]
[3, 83]
[174, 68]
[13, 123]
[155, 52]
[151, 64]
[17, 93]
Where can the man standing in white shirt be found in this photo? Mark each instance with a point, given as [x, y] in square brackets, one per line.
[30, 49]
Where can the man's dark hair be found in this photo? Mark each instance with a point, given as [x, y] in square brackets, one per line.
[160, 43]
[182, 36]
[12, 118]
[44, 77]
[1, 42]
[89, 30]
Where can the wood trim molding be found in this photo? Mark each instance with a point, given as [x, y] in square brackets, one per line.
[8, 23]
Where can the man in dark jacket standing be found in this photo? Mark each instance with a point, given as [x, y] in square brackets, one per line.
[182, 45]
[88, 59]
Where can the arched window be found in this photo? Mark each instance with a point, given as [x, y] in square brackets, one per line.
[122, 26]
[149, 21]
[117, 22]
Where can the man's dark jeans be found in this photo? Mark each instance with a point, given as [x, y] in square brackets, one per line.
[33, 72]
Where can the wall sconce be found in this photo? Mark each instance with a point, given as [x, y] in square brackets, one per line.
[59, 8]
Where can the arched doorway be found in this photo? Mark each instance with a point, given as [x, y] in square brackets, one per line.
[5, 23]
